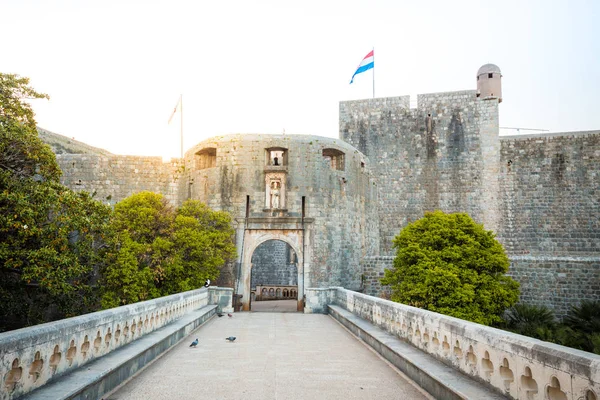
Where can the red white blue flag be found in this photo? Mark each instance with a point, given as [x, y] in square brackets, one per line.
[366, 64]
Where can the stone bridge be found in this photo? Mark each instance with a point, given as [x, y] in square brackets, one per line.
[365, 347]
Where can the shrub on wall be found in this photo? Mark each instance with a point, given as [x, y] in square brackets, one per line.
[449, 264]
[159, 250]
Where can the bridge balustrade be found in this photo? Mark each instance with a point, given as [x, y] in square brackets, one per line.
[31, 357]
[274, 292]
[517, 366]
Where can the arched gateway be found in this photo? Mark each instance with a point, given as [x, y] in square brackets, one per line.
[253, 238]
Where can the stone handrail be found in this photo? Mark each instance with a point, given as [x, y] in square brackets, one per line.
[31, 357]
[517, 366]
[274, 292]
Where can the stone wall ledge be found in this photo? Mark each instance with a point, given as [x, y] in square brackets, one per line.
[548, 135]
[546, 257]
[441, 381]
[107, 373]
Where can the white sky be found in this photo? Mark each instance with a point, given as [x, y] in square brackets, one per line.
[115, 68]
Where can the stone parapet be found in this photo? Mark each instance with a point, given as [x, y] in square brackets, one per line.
[32, 357]
[514, 365]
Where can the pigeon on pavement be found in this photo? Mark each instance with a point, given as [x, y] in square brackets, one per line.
[229, 315]
[230, 338]
[219, 315]
[194, 343]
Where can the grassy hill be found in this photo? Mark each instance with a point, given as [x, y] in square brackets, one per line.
[63, 145]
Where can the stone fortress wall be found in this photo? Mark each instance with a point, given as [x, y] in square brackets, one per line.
[392, 163]
[112, 178]
[539, 193]
[550, 207]
[230, 173]
[432, 157]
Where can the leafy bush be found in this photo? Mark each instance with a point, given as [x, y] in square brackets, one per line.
[449, 264]
[159, 250]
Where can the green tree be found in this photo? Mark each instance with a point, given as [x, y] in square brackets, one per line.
[51, 237]
[449, 264]
[160, 250]
[22, 153]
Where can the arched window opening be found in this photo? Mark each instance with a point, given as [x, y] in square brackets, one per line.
[206, 158]
[334, 158]
[276, 156]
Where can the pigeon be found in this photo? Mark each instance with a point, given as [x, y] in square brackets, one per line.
[207, 283]
[230, 338]
[194, 343]
[229, 315]
[219, 315]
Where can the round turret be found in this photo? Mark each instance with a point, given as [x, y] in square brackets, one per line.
[489, 82]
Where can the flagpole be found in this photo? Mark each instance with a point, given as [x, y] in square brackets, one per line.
[373, 71]
[181, 111]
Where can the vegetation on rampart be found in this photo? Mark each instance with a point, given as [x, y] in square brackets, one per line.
[161, 250]
[62, 253]
[449, 264]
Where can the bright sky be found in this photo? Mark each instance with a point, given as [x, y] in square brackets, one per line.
[115, 68]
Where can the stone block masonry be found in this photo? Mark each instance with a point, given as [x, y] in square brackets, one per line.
[550, 191]
[113, 178]
[556, 282]
[442, 155]
[274, 264]
[373, 271]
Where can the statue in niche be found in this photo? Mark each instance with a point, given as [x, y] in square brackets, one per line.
[275, 186]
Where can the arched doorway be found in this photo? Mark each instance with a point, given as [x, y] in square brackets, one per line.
[274, 277]
[254, 237]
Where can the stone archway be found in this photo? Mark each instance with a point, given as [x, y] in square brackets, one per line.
[274, 266]
[254, 238]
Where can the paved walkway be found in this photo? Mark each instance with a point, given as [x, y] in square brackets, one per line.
[275, 306]
[275, 356]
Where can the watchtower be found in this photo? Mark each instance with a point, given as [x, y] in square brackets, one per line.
[489, 82]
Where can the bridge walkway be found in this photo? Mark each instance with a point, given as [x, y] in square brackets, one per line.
[275, 356]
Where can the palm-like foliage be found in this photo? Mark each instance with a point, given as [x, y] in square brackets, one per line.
[585, 321]
[530, 320]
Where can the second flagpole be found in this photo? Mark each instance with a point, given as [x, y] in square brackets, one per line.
[181, 112]
[373, 72]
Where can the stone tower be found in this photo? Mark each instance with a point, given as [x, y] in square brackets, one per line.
[489, 82]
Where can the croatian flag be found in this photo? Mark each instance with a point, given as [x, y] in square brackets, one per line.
[366, 64]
